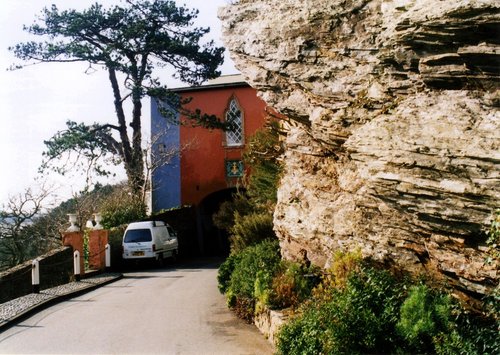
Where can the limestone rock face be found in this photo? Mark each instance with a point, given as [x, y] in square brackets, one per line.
[393, 144]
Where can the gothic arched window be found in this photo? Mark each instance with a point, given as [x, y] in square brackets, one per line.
[234, 136]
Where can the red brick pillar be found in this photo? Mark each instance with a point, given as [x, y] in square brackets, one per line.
[97, 244]
[75, 240]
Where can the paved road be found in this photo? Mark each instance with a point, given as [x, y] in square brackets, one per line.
[174, 310]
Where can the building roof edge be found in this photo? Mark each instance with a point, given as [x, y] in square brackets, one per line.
[234, 80]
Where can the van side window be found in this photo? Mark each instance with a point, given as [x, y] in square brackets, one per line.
[137, 235]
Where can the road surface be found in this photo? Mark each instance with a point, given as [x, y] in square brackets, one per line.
[173, 310]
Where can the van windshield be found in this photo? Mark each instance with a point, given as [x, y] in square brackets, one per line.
[137, 235]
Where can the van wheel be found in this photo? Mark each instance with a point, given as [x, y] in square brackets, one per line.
[174, 256]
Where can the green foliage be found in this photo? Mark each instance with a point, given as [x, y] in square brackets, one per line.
[363, 314]
[494, 233]
[359, 318]
[343, 265]
[492, 304]
[452, 343]
[493, 240]
[251, 229]
[245, 277]
[86, 250]
[292, 285]
[261, 257]
[29, 228]
[262, 155]
[226, 270]
[130, 41]
[156, 31]
[257, 275]
[239, 205]
[423, 315]
[122, 208]
[249, 217]
[469, 333]
[263, 181]
[244, 308]
[262, 290]
[304, 334]
[370, 311]
[89, 141]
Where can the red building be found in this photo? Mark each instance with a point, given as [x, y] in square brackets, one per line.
[207, 164]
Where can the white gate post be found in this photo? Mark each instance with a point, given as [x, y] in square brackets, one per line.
[35, 276]
[76, 264]
[108, 257]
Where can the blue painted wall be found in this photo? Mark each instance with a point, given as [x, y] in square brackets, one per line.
[166, 180]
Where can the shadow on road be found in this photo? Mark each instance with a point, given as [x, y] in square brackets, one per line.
[138, 277]
[184, 265]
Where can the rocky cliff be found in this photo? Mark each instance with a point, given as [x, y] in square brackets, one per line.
[394, 132]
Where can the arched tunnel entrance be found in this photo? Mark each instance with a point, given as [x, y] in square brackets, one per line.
[212, 240]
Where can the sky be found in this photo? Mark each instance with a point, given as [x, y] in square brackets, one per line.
[36, 101]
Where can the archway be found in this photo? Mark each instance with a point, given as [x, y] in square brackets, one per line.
[212, 240]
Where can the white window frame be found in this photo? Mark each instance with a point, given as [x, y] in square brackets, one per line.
[231, 108]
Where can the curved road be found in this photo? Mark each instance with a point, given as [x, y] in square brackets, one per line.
[173, 310]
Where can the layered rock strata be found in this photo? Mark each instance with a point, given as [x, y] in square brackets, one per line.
[393, 142]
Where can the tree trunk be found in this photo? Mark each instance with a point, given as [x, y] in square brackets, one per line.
[131, 155]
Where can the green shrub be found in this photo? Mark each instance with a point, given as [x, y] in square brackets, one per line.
[305, 334]
[451, 343]
[468, 334]
[432, 322]
[492, 304]
[262, 290]
[244, 307]
[364, 313]
[262, 183]
[493, 240]
[245, 277]
[226, 270]
[358, 318]
[224, 217]
[251, 229]
[423, 316]
[344, 264]
[261, 257]
[262, 155]
[86, 250]
[249, 217]
[292, 285]
[121, 208]
[371, 312]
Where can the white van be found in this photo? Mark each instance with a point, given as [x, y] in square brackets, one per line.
[149, 240]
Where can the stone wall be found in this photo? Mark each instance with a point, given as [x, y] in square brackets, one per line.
[56, 268]
[393, 142]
